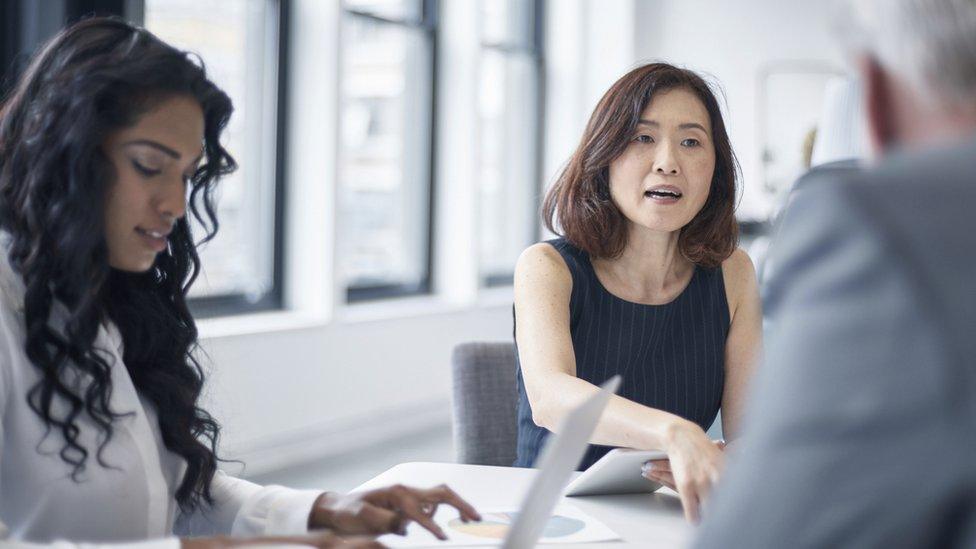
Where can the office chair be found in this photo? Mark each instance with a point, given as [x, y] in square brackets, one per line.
[485, 400]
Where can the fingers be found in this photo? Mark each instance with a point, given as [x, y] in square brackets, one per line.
[443, 494]
[661, 477]
[418, 505]
[377, 520]
[704, 489]
[689, 503]
[657, 465]
[694, 488]
[412, 505]
[695, 464]
[427, 522]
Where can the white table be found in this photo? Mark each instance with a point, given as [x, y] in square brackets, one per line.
[642, 520]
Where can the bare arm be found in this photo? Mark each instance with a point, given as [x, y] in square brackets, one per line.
[743, 347]
[543, 285]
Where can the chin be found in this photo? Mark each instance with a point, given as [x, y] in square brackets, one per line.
[132, 265]
[134, 269]
[663, 225]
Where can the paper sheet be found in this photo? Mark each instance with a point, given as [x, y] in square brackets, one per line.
[567, 525]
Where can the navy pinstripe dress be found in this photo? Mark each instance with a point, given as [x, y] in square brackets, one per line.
[671, 357]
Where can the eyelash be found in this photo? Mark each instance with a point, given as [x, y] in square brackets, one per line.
[146, 172]
[646, 139]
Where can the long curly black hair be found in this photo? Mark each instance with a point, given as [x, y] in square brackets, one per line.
[93, 78]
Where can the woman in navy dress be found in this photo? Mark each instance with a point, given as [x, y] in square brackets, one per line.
[645, 281]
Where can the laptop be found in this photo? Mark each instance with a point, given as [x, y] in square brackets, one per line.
[560, 456]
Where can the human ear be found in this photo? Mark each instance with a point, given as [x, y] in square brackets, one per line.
[878, 105]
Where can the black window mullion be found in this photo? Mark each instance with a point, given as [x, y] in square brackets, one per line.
[536, 52]
[427, 25]
[276, 295]
[273, 299]
[387, 20]
[431, 14]
[538, 39]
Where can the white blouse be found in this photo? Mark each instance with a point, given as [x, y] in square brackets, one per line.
[132, 502]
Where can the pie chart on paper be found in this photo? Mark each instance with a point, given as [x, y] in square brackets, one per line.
[496, 525]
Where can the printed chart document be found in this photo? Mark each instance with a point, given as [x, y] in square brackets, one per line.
[566, 525]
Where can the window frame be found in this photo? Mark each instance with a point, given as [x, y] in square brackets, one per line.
[536, 52]
[239, 303]
[428, 24]
[31, 24]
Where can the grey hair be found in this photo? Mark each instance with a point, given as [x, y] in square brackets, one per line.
[929, 43]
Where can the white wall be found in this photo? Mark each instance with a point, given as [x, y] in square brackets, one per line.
[734, 41]
[301, 393]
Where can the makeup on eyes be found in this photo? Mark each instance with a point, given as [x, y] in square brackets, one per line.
[144, 169]
[146, 160]
[151, 158]
[687, 142]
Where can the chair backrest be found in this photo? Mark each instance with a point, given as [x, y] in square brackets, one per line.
[485, 401]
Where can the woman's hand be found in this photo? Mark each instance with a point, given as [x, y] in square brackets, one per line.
[320, 540]
[659, 470]
[386, 510]
[693, 466]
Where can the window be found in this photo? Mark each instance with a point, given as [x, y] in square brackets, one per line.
[387, 71]
[239, 42]
[510, 106]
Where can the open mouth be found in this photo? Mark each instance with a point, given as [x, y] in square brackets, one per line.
[150, 233]
[156, 240]
[663, 194]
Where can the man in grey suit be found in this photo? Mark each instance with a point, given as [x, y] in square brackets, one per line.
[861, 430]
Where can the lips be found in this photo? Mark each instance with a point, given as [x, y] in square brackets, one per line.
[664, 193]
[155, 233]
[154, 238]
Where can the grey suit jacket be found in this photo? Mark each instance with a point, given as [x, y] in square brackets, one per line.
[861, 426]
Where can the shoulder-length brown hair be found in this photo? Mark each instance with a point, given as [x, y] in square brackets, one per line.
[580, 204]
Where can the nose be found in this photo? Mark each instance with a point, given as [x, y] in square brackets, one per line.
[665, 162]
[172, 201]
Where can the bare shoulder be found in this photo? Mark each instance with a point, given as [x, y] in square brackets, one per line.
[541, 259]
[541, 267]
[738, 268]
[740, 279]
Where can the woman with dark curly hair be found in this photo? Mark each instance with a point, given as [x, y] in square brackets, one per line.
[101, 435]
[646, 282]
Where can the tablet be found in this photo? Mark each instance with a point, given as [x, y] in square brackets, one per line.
[617, 472]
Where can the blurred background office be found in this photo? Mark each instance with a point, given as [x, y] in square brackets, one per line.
[393, 157]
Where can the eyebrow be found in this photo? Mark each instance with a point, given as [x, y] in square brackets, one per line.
[156, 145]
[685, 126]
[162, 148]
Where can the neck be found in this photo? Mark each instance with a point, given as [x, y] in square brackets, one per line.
[940, 128]
[650, 266]
[921, 122]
